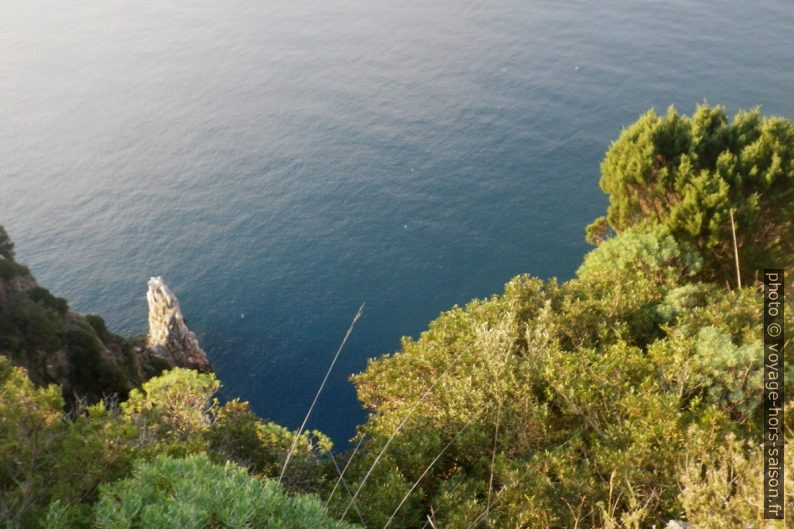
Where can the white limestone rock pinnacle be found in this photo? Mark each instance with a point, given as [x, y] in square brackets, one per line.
[168, 335]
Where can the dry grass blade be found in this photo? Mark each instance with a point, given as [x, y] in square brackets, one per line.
[344, 470]
[317, 396]
[397, 430]
[433, 462]
[736, 251]
[344, 484]
[493, 456]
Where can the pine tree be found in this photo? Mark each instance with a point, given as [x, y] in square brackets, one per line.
[687, 173]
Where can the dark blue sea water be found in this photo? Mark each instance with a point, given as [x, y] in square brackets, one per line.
[279, 163]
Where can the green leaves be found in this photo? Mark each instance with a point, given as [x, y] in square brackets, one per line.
[29, 425]
[686, 173]
[194, 493]
[597, 385]
[173, 408]
[45, 458]
[238, 435]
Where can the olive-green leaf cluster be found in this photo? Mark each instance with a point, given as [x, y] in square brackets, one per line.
[53, 464]
[585, 404]
[195, 493]
[688, 173]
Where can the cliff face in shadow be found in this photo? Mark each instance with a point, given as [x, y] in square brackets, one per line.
[55, 345]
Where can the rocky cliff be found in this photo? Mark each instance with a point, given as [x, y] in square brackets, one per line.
[169, 337]
[76, 351]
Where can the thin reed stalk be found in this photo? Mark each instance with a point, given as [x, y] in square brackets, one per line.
[397, 430]
[344, 470]
[344, 484]
[427, 469]
[493, 456]
[735, 251]
[317, 396]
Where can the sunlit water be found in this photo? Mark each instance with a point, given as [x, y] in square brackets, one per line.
[281, 163]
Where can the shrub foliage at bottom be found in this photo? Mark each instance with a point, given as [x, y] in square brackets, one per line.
[195, 493]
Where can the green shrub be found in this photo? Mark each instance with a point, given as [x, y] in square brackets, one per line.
[580, 397]
[261, 447]
[10, 269]
[173, 409]
[45, 298]
[686, 173]
[194, 493]
[97, 323]
[6, 245]
[44, 457]
[646, 253]
[28, 327]
[619, 286]
[29, 423]
[91, 375]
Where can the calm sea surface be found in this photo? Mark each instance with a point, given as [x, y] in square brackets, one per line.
[279, 163]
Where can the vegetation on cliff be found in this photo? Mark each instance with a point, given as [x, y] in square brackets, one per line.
[623, 398]
[595, 403]
[38, 332]
[53, 468]
[77, 351]
[688, 173]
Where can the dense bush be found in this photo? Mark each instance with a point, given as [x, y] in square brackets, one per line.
[90, 371]
[173, 409]
[48, 458]
[44, 297]
[10, 269]
[580, 403]
[97, 323]
[29, 419]
[194, 493]
[27, 327]
[686, 173]
[44, 457]
[238, 435]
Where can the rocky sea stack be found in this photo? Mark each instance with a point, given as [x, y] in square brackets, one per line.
[169, 337]
[56, 345]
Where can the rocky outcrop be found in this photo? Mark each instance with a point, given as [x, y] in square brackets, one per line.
[169, 337]
[57, 346]
[76, 351]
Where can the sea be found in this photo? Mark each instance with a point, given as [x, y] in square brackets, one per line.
[281, 163]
